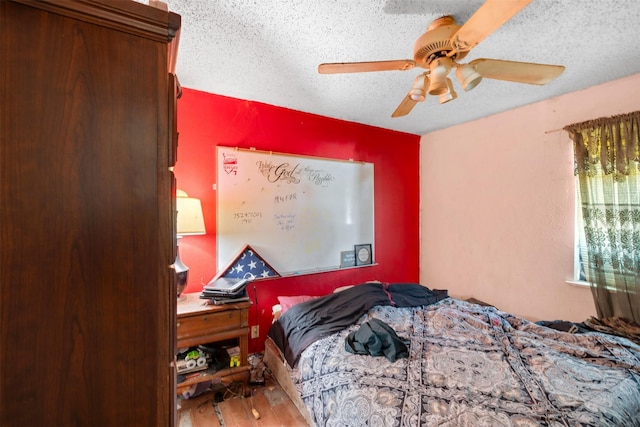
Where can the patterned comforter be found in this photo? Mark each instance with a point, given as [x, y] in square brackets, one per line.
[471, 365]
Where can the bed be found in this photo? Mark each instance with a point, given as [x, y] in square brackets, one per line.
[467, 364]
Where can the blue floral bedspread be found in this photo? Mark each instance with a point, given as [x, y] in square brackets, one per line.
[471, 365]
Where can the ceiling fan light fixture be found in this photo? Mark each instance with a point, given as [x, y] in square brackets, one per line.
[468, 77]
[439, 68]
[442, 47]
[417, 92]
[450, 94]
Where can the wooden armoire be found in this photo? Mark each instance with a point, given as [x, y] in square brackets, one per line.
[87, 230]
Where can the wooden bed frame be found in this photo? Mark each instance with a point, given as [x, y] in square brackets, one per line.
[278, 366]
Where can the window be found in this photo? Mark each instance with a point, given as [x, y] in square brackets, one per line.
[607, 166]
[611, 215]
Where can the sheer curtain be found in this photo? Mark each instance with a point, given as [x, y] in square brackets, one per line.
[607, 166]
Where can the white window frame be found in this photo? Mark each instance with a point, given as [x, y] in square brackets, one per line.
[576, 280]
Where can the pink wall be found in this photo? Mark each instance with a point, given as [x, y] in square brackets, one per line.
[497, 214]
[206, 121]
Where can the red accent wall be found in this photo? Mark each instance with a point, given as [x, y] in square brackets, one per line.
[206, 121]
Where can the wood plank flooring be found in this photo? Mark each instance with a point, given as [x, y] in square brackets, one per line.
[270, 401]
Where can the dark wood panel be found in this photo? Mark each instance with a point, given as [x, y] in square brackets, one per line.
[127, 16]
[85, 224]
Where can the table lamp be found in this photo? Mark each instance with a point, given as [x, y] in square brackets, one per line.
[190, 221]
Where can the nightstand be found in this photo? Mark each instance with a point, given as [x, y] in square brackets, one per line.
[201, 323]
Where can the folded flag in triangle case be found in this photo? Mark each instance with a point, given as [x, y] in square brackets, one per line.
[248, 265]
[230, 284]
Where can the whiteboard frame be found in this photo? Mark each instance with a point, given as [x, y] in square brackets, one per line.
[221, 254]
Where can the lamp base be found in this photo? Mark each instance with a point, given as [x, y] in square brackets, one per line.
[182, 274]
[181, 284]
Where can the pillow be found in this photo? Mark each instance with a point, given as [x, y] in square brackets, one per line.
[276, 312]
[287, 302]
[342, 288]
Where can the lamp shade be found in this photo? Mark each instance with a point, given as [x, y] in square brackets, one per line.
[439, 67]
[450, 95]
[417, 92]
[190, 219]
[468, 77]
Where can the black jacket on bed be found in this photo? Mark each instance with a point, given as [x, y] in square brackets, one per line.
[376, 338]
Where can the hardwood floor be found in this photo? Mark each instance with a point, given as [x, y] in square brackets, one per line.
[270, 401]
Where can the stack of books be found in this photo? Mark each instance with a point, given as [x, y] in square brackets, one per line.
[225, 290]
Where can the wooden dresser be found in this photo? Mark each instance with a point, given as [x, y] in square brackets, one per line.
[87, 218]
[201, 323]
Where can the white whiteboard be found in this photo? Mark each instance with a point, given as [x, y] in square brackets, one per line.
[297, 212]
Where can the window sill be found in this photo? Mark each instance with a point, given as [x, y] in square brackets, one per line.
[583, 284]
[578, 283]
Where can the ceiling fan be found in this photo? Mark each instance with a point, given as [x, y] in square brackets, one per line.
[443, 45]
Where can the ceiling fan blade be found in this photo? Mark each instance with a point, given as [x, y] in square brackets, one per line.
[359, 67]
[488, 18]
[519, 72]
[405, 107]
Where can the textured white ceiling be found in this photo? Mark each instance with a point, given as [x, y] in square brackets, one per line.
[269, 51]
